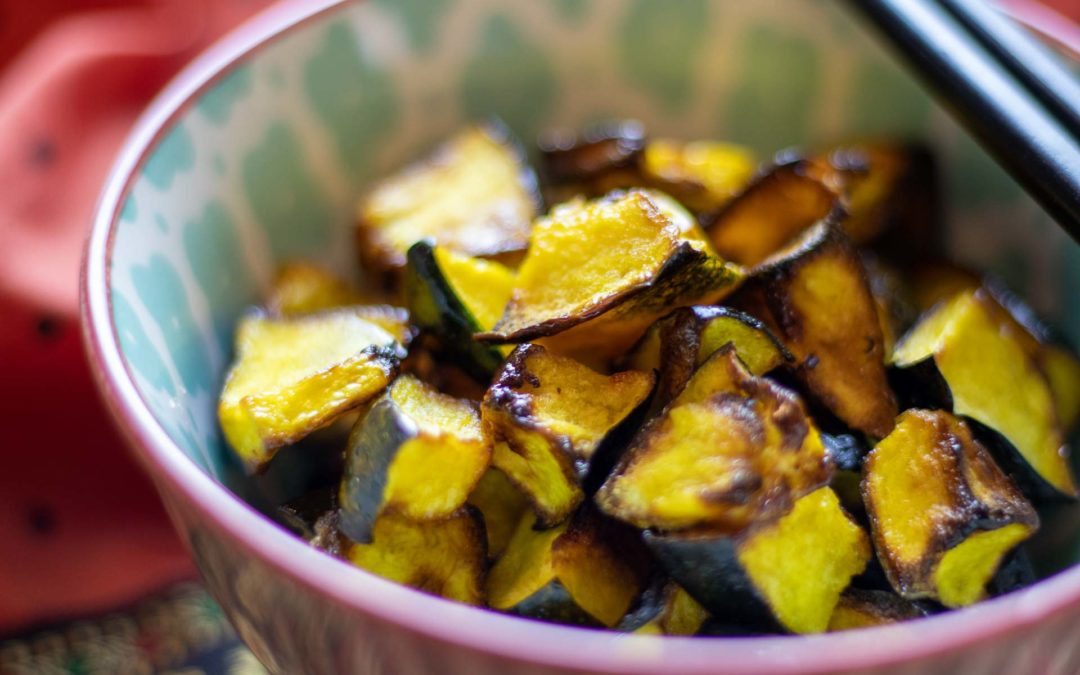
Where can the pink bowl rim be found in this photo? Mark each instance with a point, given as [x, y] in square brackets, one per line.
[481, 630]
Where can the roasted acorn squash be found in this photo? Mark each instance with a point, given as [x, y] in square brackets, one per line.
[961, 357]
[553, 421]
[294, 375]
[782, 574]
[943, 514]
[474, 195]
[732, 448]
[416, 452]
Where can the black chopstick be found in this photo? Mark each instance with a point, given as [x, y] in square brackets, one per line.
[1006, 118]
[1029, 61]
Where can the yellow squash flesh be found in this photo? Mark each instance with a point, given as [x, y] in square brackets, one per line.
[562, 572]
[702, 175]
[943, 514]
[731, 449]
[473, 195]
[547, 416]
[446, 558]
[294, 375]
[598, 273]
[803, 561]
[992, 380]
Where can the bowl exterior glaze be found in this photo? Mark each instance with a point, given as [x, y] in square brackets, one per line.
[255, 155]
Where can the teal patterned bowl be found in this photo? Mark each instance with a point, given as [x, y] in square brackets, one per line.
[256, 154]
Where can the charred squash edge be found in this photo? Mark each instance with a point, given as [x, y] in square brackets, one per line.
[684, 257]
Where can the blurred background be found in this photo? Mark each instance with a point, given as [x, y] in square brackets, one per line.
[92, 578]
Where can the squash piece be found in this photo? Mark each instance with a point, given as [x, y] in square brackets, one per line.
[604, 157]
[961, 357]
[474, 195]
[583, 572]
[938, 282]
[607, 269]
[302, 288]
[893, 199]
[816, 299]
[1062, 370]
[416, 452]
[502, 506]
[1044, 345]
[453, 296]
[680, 342]
[943, 514]
[732, 448]
[554, 421]
[294, 375]
[860, 608]
[892, 300]
[445, 557]
[665, 609]
[703, 175]
[781, 574]
[772, 210]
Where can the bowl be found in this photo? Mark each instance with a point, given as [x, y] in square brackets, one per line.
[257, 152]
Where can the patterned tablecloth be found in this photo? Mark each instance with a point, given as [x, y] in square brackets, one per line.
[179, 631]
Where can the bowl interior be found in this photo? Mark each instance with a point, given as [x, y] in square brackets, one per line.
[266, 163]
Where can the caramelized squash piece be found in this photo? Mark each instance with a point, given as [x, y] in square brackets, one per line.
[773, 209]
[680, 342]
[416, 452]
[582, 572]
[671, 611]
[865, 608]
[785, 574]
[893, 198]
[600, 159]
[474, 195]
[445, 557]
[816, 298]
[502, 506]
[552, 420]
[598, 273]
[731, 449]
[703, 175]
[962, 358]
[294, 375]
[943, 514]
[452, 296]
[302, 288]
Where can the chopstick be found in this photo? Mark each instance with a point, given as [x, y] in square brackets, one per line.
[1006, 117]
[1029, 61]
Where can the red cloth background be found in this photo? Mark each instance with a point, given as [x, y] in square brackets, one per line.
[80, 527]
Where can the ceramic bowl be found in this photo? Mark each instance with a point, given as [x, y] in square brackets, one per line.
[257, 152]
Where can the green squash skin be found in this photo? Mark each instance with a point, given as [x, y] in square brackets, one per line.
[708, 569]
[921, 385]
[436, 309]
[648, 605]
[372, 447]
[553, 603]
